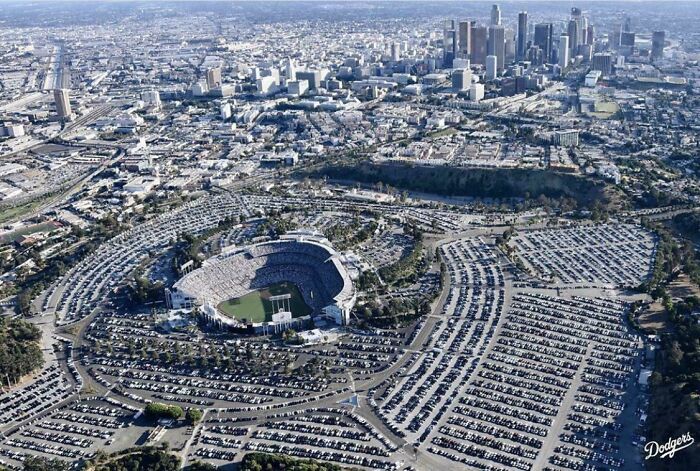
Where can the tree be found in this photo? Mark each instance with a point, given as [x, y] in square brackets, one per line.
[36, 463]
[193, 416]
[141, 459]
[157, 410]
[265, 461]
[20, 353]
[201, 466]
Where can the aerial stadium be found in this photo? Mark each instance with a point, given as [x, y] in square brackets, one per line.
[270, 286]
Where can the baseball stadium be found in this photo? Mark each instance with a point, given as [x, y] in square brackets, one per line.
[269, 285]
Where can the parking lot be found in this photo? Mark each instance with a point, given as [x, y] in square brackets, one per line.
[615, 254]
[506, 372]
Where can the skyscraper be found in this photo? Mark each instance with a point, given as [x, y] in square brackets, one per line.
[573, 37]
[479, 44]
[614, 37]
[602, 61]
[497, 44]
[495, 15]
[510, 46]
[491, 67]
[290, 70]
[62, 99]
[590, 35]
[214, 78]
[581, 26]
[627, 38]
[465, 39]
[395, 52]
[461, 79]
[658, 40]
[521, 45]
[543, 39]
[534, 55]
[450, 43]
[563, 51]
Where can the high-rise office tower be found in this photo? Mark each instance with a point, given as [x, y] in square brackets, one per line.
[602, 61]
[290, 70]
[573, 37]
[590, 35]
[627, 38]
[465, 39]
[62, 99]
[614, 37]
[583, 31]
[521, 46]
[658, 40]
[461, 79]
[395, 52]
[534, 55]
[563, 51]
[544, 33]
[497, 44]
[495, 15]
[586, 52]
[510, 46]
[479, 44]
[214, 78]
[491, 67]
[581, 23]
[312, 76]
[628, 25]
[450, 43]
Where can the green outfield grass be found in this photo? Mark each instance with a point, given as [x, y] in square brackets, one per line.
[256, 306]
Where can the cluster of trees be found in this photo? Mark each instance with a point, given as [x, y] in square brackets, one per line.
[20, 353]
[135, 459]
[201, 466]
[270, 462]
[688, 223]
[204, 357]
[344, 235]
[291, 336]
[36, 463]
[193, 416]
[28, 287]
[394, 313]
[654, 198]
[189, 246]
[457, 181]
[368, 281]
[143, 290]
[276, 225]
[675, 406]
[410, 267]
[314, 367]
[503, 239]
[160, 459]
[157, 410]
[669, 257]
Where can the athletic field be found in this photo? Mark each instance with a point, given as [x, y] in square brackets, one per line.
[256, 307]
